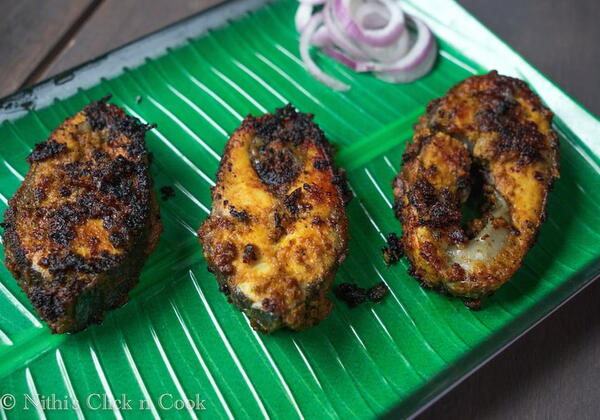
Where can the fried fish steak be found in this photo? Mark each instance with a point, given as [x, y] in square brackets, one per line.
[277, 231]
[79, 228]
[489, 133]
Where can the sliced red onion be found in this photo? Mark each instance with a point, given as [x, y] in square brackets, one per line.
[372, 15]
[391, 52]
[321, 37]
[310, 29]
[380, 37]
[341, 57]
[339, 38]
[366, 36]
[410, 74]
[303, 15]
[424, 43]
[423, 51]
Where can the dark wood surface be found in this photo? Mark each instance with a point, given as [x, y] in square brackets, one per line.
[552, 372]
[31, 32]
[119, 21]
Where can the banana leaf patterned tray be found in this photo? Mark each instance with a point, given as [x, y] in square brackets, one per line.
[178, 338]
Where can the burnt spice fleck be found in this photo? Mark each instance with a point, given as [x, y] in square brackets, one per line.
[350, 293]
[167, 192]
[45, 150]
[240, 215]
[377, 292]
[250, 254]
[354, 295]
[393, 251]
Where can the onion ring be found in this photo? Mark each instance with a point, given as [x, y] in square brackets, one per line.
[415, 56]
[310, 30]
[378, 37]
[303, 15]
[367, 36]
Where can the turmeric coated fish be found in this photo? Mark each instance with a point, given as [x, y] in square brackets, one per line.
[277, 231]
[79, 228]
[489, 133]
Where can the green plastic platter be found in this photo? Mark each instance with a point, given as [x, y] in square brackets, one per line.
[178, 337]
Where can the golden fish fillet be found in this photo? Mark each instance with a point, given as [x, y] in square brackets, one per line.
[277, 231]
[79, 228]
[489, 133]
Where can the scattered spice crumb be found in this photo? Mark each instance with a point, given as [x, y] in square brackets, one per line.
[472, 304]
[350, 293]
[393, 251]
[378, 292]
[354, 295]
[167, 192]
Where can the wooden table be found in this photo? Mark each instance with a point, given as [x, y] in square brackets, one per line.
[552, 372]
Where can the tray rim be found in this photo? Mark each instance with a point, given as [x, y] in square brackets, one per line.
[486, 50]
[130, 55]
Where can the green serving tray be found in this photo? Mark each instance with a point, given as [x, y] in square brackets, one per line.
[178, 338]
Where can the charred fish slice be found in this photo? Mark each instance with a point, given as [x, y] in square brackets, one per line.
[79, 228]
[277, 231]
[495, 129]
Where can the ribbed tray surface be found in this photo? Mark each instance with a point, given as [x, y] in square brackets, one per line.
[178, 335]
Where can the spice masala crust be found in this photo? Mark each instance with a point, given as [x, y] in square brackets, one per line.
[81, 225]
[278, 229]
[490, 135]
